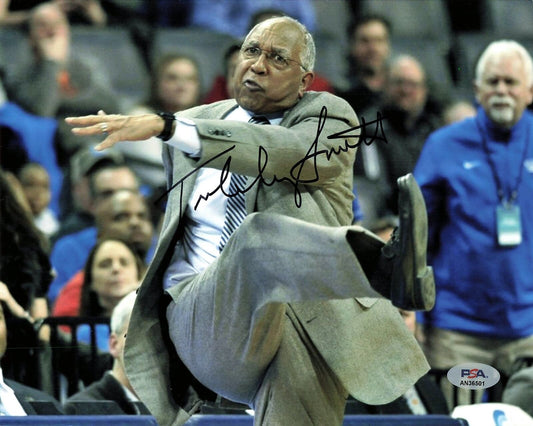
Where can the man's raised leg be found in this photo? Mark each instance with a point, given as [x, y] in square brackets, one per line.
[299, 388]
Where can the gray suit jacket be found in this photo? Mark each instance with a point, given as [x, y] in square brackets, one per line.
[363, 340]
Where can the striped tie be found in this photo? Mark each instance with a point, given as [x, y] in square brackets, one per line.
[236, 206]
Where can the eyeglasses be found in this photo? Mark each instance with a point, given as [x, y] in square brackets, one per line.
[410, 84]
[273, 58]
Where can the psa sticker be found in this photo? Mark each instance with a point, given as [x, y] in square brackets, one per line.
[473, 375]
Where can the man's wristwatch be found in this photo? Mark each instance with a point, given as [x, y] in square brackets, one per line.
[169, 118]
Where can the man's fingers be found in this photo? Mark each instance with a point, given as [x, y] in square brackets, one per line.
[86, 120]
[106, 143]
[95, 129]
[89, 120]
[115, 128]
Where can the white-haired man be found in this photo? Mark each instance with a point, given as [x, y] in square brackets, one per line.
[114, 385]
[477, 179]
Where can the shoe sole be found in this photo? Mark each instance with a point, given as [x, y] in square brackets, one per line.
[423, 293]
[425, 286]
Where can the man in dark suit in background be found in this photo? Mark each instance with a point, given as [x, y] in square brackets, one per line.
[17, 399]
[285, 315]
[114, 386]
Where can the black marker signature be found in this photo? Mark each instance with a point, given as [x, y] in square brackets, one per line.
[363, 138]
[192, 172]
[296, 170]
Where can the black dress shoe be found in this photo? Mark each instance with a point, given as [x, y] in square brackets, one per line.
[412, 285]
[397, 269]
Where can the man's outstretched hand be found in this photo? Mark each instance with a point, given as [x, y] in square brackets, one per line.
[117, 127]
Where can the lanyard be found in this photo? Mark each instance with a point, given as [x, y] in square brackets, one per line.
[514, 191]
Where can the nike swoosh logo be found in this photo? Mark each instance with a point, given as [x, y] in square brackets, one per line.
[471, 164]
[528, 164]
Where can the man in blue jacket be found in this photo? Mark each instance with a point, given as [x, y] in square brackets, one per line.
[477, 179]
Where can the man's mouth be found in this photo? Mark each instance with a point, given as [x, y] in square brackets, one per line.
[501, 103]
[138, 236]
[252, 85]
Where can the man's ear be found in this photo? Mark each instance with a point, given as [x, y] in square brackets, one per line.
[476, 90]
[530, 95]
[113, 345]
[305, 83]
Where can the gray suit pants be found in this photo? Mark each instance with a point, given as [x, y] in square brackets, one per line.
[233, 328]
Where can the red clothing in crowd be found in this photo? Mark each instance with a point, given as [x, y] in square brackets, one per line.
[68, 300]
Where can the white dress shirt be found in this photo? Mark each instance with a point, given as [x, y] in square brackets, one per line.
[203, 226]
[8, 399]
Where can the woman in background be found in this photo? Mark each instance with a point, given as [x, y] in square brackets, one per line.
[25, 275]
[112, 270]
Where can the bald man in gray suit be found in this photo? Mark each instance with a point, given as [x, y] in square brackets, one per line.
[294, 312]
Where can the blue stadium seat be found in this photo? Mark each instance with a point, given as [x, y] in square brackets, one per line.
[14, 49]
[420, 18]
[512, 18]
[116, 52]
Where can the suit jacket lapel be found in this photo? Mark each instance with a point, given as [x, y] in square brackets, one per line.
[179, 196]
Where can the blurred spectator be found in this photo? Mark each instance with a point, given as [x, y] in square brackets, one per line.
[234, 17]
[476, 177]
[35, 182]
[369, 42]
[70, 251]
[18, 12]
[222, 87]
[28, 138]
[114, 385]
[25, 274]
[410, 115]
[16, 398]
[124, 216]
[80, 189]
[25, 267]
[113, 269]
[175, 86]
[458, 111]
[59, 82]
[370, 49]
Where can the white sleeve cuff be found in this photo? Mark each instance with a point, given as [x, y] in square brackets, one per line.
[185, 137]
